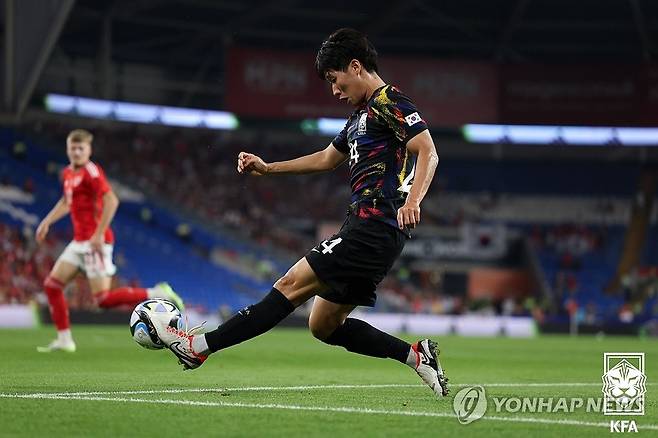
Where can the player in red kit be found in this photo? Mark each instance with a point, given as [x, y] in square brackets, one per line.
[92, 204]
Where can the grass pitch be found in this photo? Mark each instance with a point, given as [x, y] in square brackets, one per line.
[285, 383]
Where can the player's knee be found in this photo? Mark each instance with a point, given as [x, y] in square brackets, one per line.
[318, 331]
[286, 283]
[321, 328]
[101, 299]
[52, 285]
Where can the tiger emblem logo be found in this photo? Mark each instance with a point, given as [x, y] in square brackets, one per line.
[624, 386]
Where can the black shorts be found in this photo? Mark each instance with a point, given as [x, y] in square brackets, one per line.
[353, 261]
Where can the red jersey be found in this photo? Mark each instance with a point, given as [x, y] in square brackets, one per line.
[83, 191]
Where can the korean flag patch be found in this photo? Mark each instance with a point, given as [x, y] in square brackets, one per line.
[412, 119]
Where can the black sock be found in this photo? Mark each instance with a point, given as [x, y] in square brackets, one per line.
[360, 337]
[251, 321]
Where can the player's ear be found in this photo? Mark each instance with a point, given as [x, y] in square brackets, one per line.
[355, 66]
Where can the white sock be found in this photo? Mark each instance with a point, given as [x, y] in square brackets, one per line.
[412, 359]
[64, 336]
[200, 345]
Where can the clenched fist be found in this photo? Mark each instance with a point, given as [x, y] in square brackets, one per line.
[250, 163]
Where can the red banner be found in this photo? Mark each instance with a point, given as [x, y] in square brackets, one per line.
[571, 95]
[447, 93]
[280, 84]
[277, 84]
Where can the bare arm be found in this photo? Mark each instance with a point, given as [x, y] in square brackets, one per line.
[321, 161]
[56, 213]
[423, 146]
[110, 205]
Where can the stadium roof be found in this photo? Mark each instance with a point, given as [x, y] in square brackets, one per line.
[186, 40]
[189, 37]
[506, 30]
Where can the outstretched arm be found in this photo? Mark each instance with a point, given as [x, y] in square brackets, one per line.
[321, 161]
[423, 146]
[58, 211]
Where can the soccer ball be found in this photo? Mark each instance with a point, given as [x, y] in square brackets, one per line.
[141, 325]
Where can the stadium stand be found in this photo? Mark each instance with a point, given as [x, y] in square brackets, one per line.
[573, 213]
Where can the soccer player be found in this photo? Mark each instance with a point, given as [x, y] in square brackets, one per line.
[392, 159]
[91, 202]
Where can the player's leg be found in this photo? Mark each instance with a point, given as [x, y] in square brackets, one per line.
[106, 298]
[298, 285]
[329, 322]
[293, 289]
[61, 274]
[100, 269]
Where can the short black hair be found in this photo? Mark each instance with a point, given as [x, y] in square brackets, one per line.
[343, 46]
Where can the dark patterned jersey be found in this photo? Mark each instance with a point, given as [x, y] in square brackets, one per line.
[381, 168]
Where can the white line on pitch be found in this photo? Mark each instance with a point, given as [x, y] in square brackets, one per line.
[300, 388]
[191, 390]
[349, 410]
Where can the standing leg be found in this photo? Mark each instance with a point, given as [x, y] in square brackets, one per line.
[329, 323]
[61, 274]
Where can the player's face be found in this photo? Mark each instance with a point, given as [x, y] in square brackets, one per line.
[347, 85]
[78, 152]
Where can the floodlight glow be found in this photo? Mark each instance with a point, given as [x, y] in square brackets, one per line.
[58, 103]
[95, 108]
[220, 120]
[484, 133]
[180, 116]
[140, 113]
[532, 134]
[136, 112]
[327, 126]
[638, 136]
[587, 135]
[567, 135]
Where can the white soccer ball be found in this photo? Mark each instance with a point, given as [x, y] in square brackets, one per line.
[141, 325]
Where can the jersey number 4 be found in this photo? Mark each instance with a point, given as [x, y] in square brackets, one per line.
[405, 187]
[354, 154]
[328, 245]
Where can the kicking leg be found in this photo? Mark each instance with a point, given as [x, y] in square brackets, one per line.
[130, 296]
[329, 323]
[293, 289]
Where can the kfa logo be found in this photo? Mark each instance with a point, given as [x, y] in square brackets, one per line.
[624, 383]
[623, 426]
[361, 130]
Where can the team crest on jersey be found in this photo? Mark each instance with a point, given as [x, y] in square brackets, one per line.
[361, 130]
[75, 181]
[412, 119]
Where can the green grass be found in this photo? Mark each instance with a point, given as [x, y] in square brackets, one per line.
[108, 360]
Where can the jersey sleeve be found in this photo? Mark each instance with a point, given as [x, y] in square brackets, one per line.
[99, 181]
[399, 113]
[62, 178]
[340, 141]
